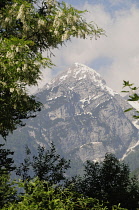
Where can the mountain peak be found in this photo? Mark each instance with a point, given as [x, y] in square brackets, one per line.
[79, 73]
[81, 68]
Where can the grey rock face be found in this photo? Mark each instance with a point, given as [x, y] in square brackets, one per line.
[85, 117]
[82, 116]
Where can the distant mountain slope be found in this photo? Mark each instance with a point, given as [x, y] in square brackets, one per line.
[82, 116]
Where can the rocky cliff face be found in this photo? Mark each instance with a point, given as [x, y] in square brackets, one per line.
[82, 116]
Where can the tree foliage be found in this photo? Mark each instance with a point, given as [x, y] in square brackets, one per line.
[46, 165]
[37, 197]
[108, 181]
[133, 96]
[6, 160]
[26, 30]
[7, 191]
[104, 186]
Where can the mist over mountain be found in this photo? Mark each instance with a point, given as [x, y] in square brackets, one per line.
[83, 117]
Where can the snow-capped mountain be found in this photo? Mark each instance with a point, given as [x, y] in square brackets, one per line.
[80, 72]
[82, 116]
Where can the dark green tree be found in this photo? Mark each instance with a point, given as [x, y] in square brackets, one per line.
[46, 165]
[24, 170]
[109, 181]
[7, 191]
[6, 161]
[116, 183]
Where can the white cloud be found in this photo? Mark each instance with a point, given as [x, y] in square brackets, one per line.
[121, 45]
[115, 2]
[45, 78]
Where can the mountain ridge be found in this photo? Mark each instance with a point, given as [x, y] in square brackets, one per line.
[79, 71]
[82, 116]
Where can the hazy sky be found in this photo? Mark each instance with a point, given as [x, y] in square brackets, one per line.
[115, 56]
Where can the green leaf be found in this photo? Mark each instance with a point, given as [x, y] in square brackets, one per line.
[127, 110]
